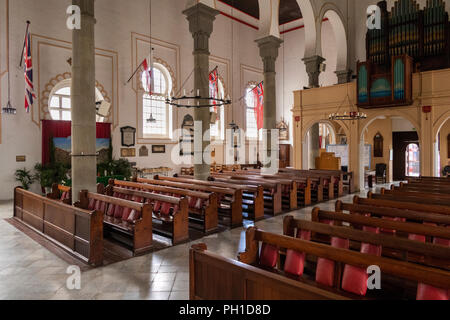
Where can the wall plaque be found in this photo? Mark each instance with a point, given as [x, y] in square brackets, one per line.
[159, 149]
[128, 136]
[21, 158]
[143, 151]
[128, 152]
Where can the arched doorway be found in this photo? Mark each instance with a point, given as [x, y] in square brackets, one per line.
[442, 149]
[319, 136]
[412, 160]
[384, 142]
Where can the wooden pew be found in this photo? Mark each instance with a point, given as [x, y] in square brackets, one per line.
[445, 180]
[272, 191]
[318, 190]
[437, 198]
[214, 277]
[390, 246]
[425, 188]
[288, 186]
[134, 230]
[202, 206]
[387, 224]
[329, 181]
[392, 212]
[435, 209]
[229, 200]
[303, 186]
[407, 197]
[61, 193]
[77, 231]
[252, 196]
[170, 214]
[345, 177]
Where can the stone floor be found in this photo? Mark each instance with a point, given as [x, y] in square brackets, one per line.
[29, 271]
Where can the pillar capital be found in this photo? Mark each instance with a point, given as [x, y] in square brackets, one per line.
[268, 50]
[201, 18]
[344, 76]
[313, 69]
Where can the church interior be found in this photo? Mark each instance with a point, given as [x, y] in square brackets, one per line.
[224, 150]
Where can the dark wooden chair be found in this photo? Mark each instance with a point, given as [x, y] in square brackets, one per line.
[380, 172]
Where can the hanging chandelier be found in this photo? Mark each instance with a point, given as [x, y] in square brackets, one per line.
[352, 115]
[197, 101]
[9, 109]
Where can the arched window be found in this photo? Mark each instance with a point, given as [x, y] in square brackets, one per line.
[157, 115]
[60, 107]
[412, 161]
[217, 129]
[250, 102]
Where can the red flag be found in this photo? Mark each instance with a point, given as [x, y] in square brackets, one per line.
[214, 86]
[28, 69]
[259, 105]
[148, 65]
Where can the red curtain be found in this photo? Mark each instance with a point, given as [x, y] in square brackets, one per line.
[63, 129]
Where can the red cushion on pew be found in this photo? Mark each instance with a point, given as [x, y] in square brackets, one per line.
[132, 217]
[192, 201]
[325, 267]
[157, 206]
[268, 255]
[91, 205]
[126, 213]
[295, 261]
[427, 292]
[165, 208]
[354, 280]
[417, 237]
[118, 212]
[370, 248]
[442, 242]
[111, 209]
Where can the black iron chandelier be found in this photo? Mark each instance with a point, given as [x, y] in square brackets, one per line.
[197, 101]
[352, 115]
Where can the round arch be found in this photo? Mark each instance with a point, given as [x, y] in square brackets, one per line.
[437, 126]
[332, 13]
[309, 21]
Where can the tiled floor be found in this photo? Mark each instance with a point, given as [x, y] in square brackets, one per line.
[29, 271]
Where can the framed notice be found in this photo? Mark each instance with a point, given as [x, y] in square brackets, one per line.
[128, 136]
[128, 152]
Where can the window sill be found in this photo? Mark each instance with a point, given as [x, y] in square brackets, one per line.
[154, 140]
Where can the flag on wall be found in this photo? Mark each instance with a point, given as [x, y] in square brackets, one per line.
[259, 105]
[214, 86]
[147, 64]
[28, 68]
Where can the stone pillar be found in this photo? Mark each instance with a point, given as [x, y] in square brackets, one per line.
[268, 50]
[201, 18]
[314, 148]
[84, 159]
[313, 69]
[344, 76]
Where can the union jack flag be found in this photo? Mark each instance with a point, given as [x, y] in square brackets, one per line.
[259, 105]
[214, 86]
[28, 68]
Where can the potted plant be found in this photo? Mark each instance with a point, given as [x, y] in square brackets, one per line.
[25, 177]
[49, 174]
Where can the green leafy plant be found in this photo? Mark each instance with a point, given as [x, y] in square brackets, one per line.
[25, 177]
[51, 173]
